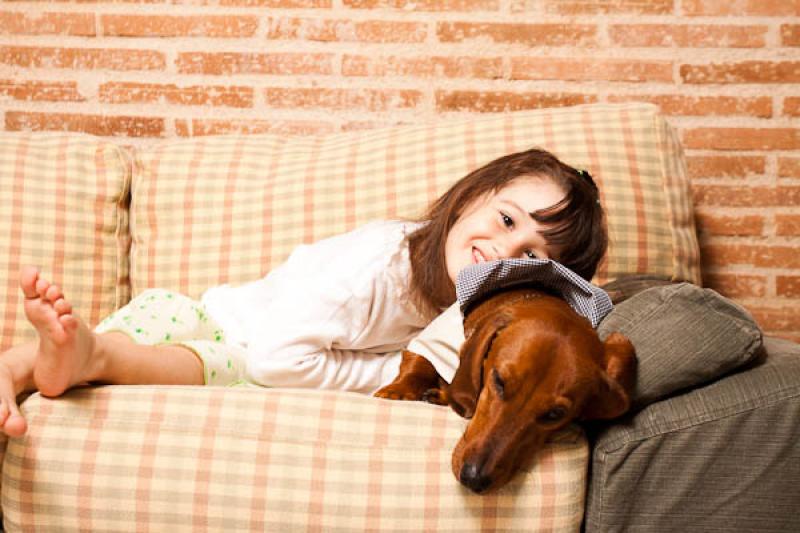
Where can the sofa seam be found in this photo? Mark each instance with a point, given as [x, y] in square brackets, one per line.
[776, 398]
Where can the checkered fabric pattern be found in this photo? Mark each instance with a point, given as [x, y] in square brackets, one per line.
[242, 459]
[476, 282]
[211, 210]
[63, 208]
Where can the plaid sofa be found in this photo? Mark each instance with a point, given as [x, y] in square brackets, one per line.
[108, 222]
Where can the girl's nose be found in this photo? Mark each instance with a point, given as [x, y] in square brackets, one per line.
[506, 248]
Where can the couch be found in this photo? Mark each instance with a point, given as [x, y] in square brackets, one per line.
[711, 444]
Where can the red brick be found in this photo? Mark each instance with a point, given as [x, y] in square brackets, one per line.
[372, 31]
[737, 196]
[742, 72]
[687, 36]
[425, 5]
[787, 225]
[790, 34]
[82, 58]
[14, 22]
[103, 125]
[200, 127]
[730, 225]
[784, 318]
[226, 63]
[590, 7]
[217, 95]
[717, 255]
[423, 67]
[791, 106]
[737, 285]
[44, 91]
[787, 286]
[349, 99]
[178, 26]
[742, 138]
[701, 166]
[789, 167]
[529, 34]
[759, 106]
[769, 8]
[563, 69]
[502, 101]
[277, 3]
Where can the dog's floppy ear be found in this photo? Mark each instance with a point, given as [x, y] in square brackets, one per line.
[467, 382]
[617, 381]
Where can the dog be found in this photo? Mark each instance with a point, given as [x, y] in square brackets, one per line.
[530, 365]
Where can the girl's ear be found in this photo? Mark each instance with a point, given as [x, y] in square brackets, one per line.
[464, 390]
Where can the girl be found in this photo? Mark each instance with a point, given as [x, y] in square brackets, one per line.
[335, 315]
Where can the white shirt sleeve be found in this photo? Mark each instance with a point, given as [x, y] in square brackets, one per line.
[440, 342]
[329, 318]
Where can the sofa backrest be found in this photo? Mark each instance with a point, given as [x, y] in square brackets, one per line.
[228, 209]
[209, 210]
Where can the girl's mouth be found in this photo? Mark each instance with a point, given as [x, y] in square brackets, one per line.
[477, 256]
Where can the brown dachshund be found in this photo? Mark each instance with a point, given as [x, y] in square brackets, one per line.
[529, 366]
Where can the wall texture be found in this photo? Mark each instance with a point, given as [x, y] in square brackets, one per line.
[726, 71]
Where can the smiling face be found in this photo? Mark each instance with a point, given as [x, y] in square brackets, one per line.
[499, 225]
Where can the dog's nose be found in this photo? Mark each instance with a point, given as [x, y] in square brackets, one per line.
[472, 478]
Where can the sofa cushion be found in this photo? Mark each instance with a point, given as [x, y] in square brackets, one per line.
[724, 457]
[241, 459]
[63, 208]
[228, 209]
[684, 336]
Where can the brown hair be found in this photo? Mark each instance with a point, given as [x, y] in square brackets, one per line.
[576, 224]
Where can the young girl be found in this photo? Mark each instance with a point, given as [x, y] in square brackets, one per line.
[335, 315]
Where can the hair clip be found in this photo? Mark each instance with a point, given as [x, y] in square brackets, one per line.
[587, 177]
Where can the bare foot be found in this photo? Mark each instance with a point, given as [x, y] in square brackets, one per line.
[66, 352]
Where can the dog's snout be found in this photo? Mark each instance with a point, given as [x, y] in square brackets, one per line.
[472, 478]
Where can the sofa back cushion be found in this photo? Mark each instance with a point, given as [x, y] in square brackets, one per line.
[63, 208]
[228, 209]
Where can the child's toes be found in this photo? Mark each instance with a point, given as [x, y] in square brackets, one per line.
[28, 278]
[41, 287]
[69, 322]
[62, 306]
[53, 293]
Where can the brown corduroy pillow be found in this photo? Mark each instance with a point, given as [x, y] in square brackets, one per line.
[685, 336]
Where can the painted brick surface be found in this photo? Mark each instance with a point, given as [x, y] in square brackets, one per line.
[726, 73]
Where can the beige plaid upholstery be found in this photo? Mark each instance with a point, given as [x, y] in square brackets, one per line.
[228, 209]
[198, 459]
[63, 208]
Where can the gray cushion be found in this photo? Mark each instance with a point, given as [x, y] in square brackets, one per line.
[684, 336]
[724, 457]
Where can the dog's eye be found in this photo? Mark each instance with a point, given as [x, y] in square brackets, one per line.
[499, 384]
[555, 414]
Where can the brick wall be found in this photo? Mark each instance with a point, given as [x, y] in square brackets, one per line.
[726, 71]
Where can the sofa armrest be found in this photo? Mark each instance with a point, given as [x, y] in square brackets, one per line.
[724, 457]
[168, 458]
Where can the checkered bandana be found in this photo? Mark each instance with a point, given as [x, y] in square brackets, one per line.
[476, 282]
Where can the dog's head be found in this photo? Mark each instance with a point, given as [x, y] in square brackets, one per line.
[530, 366]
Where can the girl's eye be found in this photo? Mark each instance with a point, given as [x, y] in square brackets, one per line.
[507, 220]
[529, 254]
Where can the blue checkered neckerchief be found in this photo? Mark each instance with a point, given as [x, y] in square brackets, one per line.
[477, 281]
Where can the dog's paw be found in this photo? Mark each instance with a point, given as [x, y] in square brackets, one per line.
[435, 396]
[398, 392]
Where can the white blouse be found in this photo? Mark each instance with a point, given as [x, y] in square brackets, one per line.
[335, 315]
